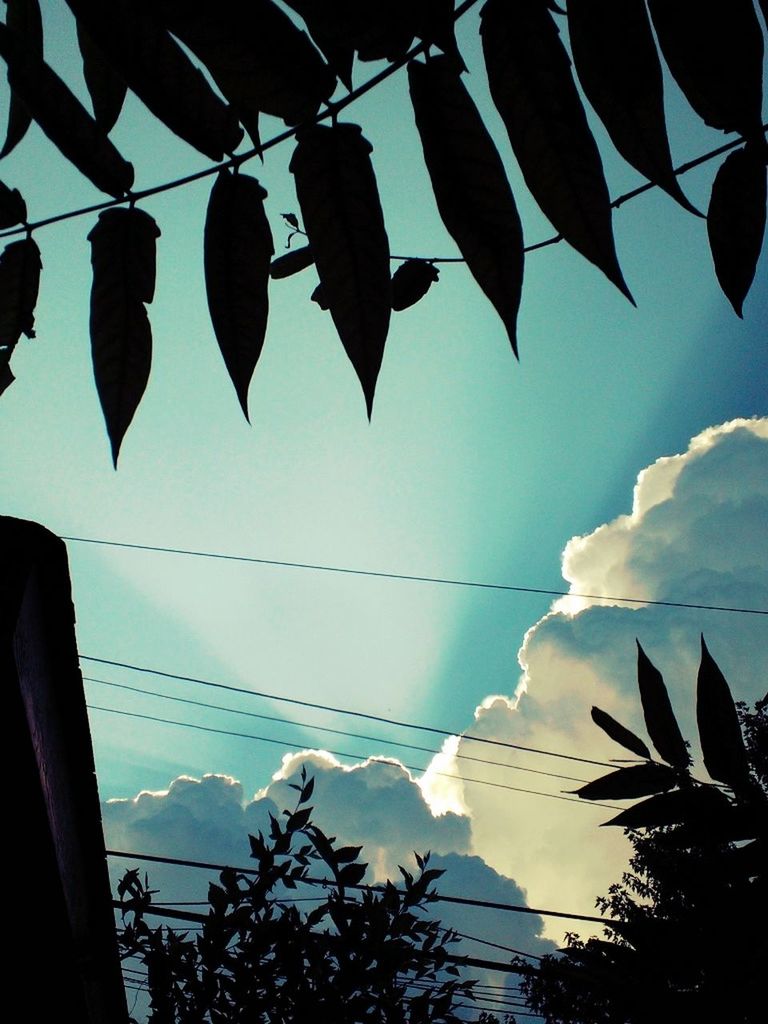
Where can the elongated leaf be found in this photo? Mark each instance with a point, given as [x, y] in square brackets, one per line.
[23, 19]
[736, 221]
[660, 719]
[637, 780]
[291, 263]
[471, 188]
[19, 282]
[238, 248]
[123, 261]
[682, 806]
[13, 209]
[411, 282]
[715, 54]
[105, 87]
[376, 29]
[725, 756]
[620, 72]
[258, 58]
[619, 733]
[533, 89]
[64, 120]
[160, 73]
[342, 215]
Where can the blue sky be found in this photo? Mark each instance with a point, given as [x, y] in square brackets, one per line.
[474, 467]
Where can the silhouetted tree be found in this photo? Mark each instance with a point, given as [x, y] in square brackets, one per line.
[260, 959]
[258, 60]
[686, 939]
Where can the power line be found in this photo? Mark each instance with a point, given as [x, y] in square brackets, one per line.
[344, 753]
[323, 728]
[344, 711]
[343, 570]
[437, 898]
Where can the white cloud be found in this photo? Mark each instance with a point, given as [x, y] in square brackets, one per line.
[698, 532]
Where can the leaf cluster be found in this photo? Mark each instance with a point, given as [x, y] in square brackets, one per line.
[209, 73]
[260, 958]
[685, 936]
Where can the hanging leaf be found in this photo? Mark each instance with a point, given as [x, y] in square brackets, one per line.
[533, 89]
[291, 262]
[619, 733]
[105, 87]
[258, 58]
[342, 215]
[715, 54]
[637, 780]
[692, 805]
[411, 282]
[434, 22]
[725, 756]
[123, 261]
[736, 221]
[64, 120]
[620, 72]
[660, 719]
[471, 188]
[155, 67]
[13, 209]
[237, 249]
[19, 282]
[377, 29]
[23, 19]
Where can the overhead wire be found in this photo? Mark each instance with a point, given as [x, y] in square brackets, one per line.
[469, 737]
[361, 887]
[345, 570]
[322, 728]
[346, 753]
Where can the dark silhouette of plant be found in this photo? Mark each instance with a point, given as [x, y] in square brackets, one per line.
[686, 935]
[261, 61]
[260, 959]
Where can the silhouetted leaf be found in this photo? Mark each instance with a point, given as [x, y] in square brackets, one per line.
[258, 58]
[619, 733]
[342, 215]
[352, 874]
[471, 188]
[160, 73]
[22, 18]
[411, 282]
[298, 819]
[637, 780]
[715, 54]
[291, 262]
[660, 719]
[620, 72]
[725, 756]
[736, 221]
[19, 282]
[6, 375]
[533, 89]
[64, 120]
[434, 24]
[105, 87]
[123, 260]
[319, 296]
[238, 248]
[347, 854]
[377, 29]
[682, 805]
[13, 209]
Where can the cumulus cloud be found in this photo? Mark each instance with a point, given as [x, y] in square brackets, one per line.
[375, 803]
[697, 534]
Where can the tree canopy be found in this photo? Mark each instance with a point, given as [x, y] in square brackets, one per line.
[209, 73]
[261, 958]
[686, 924]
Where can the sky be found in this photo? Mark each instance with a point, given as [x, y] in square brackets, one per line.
[625, 455]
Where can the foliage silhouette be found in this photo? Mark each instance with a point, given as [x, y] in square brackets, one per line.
[686, 939]
[259, 960]
[255, 59]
